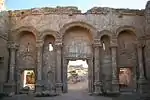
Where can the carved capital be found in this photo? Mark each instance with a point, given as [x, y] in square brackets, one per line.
[97, 83]
[97, 43]
[140, 45]
[13, 45]
[58, 45]
[39, 43]
[96, 40]
[58, 40]
[113, 41]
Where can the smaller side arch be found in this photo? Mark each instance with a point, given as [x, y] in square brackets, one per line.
[127, 28]
[105, 32]
[15, 33]
[45, 33]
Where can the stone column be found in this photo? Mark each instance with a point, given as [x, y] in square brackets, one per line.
[97, 82]
[39, 47]
[115, 80]
[11, 85]
[58, 47]
[65, 64]
[90, 76]
[141, 80]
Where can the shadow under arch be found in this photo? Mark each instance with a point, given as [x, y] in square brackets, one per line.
[81, 24]
[16, 33]
[127, 28]
[49, 32]
[105, 33]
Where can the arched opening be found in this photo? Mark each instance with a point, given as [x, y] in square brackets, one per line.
[48, 69]
[49, 43]
[77, 42]
[26, 59]
[127, 60]
[77, 75]
[105, 41]
[77, 47]
[126, 39]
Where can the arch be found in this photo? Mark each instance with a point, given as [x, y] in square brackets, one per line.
[104, 33]
[82, 24]
[16, 33]
[49, 41]
[48, 32]
[127, 28]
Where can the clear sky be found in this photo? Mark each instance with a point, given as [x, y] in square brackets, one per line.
[81, 4]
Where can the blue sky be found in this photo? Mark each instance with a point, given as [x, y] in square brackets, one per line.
[81, 4]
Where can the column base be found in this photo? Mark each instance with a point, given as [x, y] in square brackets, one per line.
[65, 88]
[1, 87]
[142, 86]
[108, 86]
[98, 89]
[10, 88]
[115, 87]
[143, 89]
[39, 86]
[59, 88]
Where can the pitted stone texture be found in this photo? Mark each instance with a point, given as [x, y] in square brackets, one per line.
[74, 34]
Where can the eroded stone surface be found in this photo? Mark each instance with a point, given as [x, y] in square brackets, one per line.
[107, 38]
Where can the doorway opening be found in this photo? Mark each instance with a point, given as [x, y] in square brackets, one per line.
[29, 79]
[125, 78]
[77, 75]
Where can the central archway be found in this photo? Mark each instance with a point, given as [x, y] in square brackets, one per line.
[77, 45]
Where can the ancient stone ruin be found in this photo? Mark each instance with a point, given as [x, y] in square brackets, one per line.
[37, 44]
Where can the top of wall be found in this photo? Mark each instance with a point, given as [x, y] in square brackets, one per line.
[74, 10]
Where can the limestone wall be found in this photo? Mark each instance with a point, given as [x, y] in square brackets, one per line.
[110, 19]
[4, 54]
[55, 21]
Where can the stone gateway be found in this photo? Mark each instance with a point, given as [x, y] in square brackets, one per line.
[37, 44]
